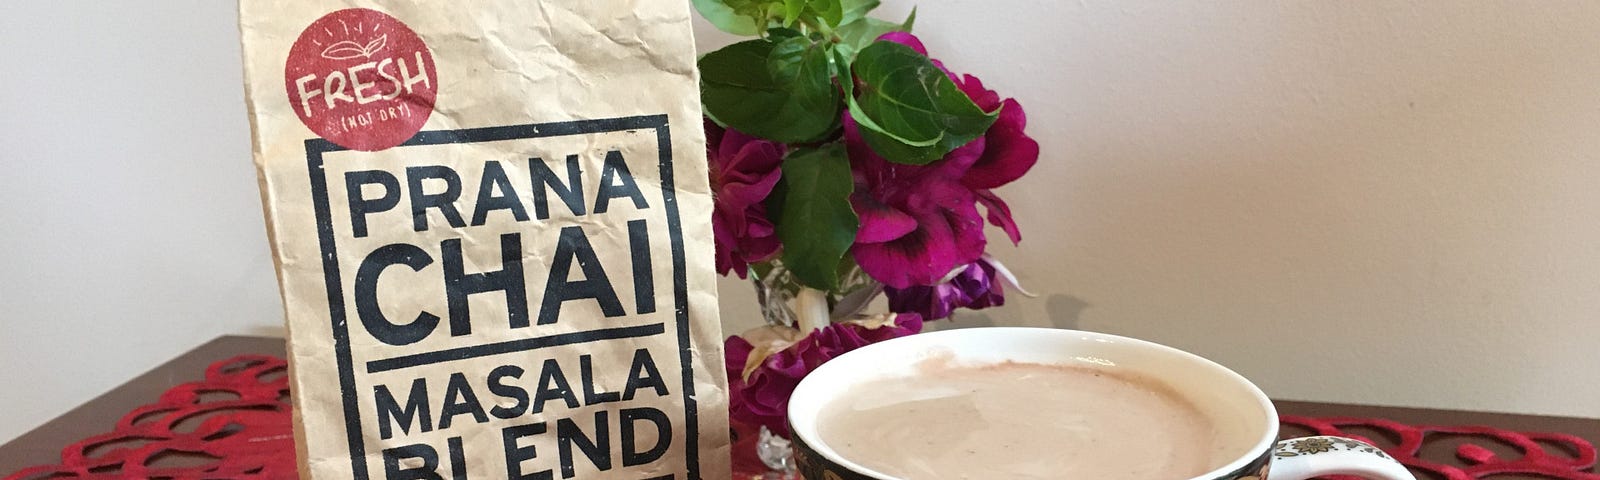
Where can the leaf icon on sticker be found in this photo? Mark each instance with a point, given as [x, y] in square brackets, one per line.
[347, 50]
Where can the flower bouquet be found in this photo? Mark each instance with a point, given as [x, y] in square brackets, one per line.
[847, 164]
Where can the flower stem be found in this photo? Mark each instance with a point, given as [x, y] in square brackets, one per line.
[811, 310]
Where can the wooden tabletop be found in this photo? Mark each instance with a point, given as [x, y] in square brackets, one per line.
[43, 444]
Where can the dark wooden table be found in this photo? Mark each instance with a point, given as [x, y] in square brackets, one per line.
[43, 445]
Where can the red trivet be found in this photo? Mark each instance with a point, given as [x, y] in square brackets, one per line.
[235, 424]
[1551, 455]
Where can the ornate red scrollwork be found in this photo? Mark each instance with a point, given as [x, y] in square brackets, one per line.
[234, 424]
[1546, 455]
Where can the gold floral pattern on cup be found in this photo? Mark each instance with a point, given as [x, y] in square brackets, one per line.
[1319, 445]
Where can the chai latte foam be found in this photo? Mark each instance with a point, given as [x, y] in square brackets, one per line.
[1020, 421]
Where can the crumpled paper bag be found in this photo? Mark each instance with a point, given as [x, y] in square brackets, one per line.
[491, 222]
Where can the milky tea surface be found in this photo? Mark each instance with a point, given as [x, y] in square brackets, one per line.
[1021, 421]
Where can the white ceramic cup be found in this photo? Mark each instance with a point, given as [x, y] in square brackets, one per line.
[1238, 409]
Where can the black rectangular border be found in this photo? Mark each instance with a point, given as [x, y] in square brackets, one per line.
[317, 147]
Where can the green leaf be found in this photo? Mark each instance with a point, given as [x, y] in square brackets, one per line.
[792, 10]
[863, 32]
[761, 269]
[738, 17]
[856, 10]
[840, 56]
[830, 12]
[818, 224]
[909, 111]
[827, 12]
[779, 91]
[847, 265]
[779, 34]
[859, 33]
[775, 199]
[803, 64]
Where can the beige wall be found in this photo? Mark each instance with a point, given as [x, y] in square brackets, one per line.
[1379, 202]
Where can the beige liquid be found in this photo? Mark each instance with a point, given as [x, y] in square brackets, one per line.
[1021, 421]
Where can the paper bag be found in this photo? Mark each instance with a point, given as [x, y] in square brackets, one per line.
[491, 222]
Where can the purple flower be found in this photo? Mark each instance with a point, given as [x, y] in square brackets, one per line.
[743, 171]
[762, 396]
[976, 286]
[1008, 152]
[918, 223]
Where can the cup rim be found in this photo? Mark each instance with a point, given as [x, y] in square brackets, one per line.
[1262, 444]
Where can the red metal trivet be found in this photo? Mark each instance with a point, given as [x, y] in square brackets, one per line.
[235, 424]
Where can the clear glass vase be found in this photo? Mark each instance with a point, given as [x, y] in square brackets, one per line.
[778, 291]
[777, 453]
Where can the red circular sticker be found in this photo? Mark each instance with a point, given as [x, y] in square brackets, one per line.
[361, 79]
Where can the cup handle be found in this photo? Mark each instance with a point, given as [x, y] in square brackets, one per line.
[1309, 457]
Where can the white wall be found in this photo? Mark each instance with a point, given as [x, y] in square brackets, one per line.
[132, 228]
[1347, 201]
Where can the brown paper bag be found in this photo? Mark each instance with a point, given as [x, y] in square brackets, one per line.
[491, 225]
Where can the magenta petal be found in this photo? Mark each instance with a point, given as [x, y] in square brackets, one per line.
[865, 164]
[733, 142]
[905, 324]
[907, 39]
[767, 394]
[1000, 214]
[755, 156]
[736, 351]
[967, 228]
[943, 240]
[934, 302]
[728, 258]
[905, 262]
[743, 171]
[973, 87]
[760, 227]
[976, 287]
[1009, 152]
[956, 206]
[759, 248]
[743, 195]
[788, 366]
[955, 165]
[880, 223]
